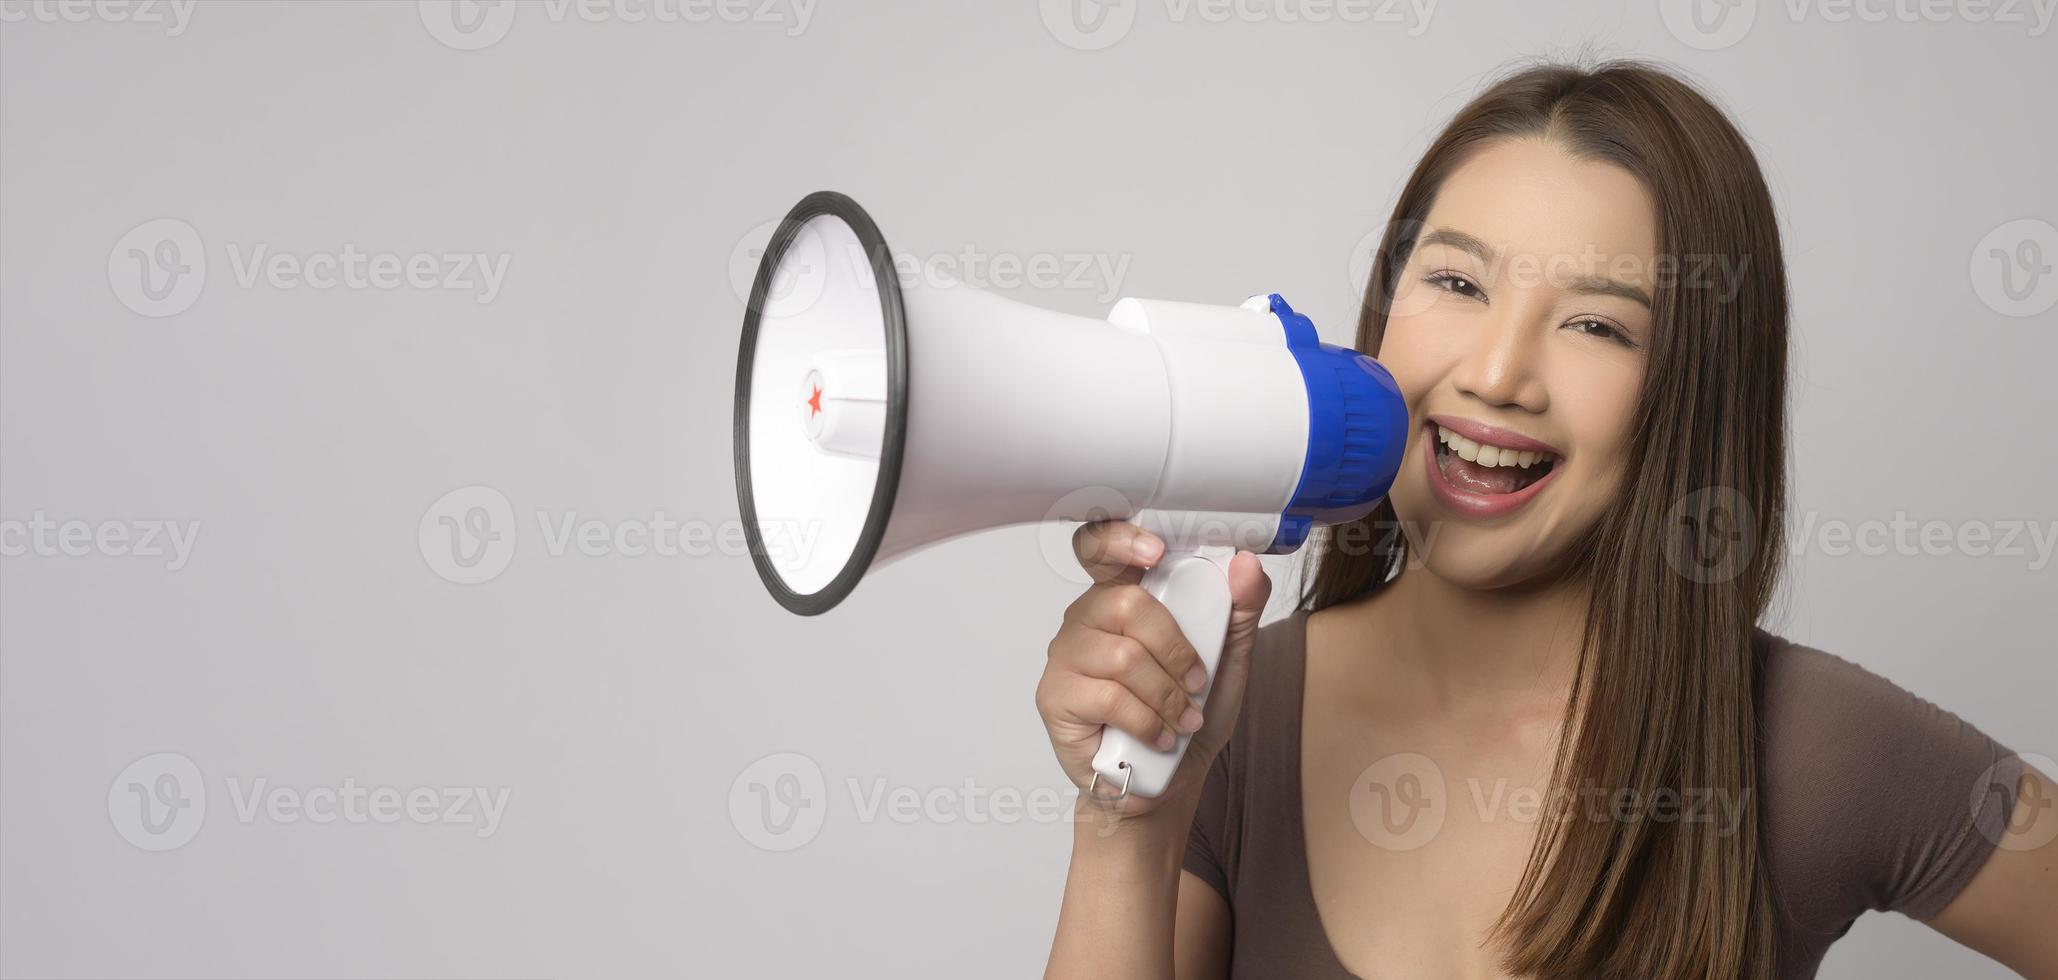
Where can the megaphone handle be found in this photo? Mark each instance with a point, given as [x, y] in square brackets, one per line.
[1194, 585]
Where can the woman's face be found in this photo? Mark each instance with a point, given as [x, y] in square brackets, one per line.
[1517, 334]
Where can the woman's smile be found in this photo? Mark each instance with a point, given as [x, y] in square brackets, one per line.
[1482, 470]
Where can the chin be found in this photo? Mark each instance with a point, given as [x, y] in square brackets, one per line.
[1483, 565]
[1479, 555]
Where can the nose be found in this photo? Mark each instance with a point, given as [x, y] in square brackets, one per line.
[1500, 366]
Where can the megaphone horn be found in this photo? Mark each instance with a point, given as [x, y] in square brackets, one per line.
[882, 414]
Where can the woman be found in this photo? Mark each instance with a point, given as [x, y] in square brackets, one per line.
[1539, 733]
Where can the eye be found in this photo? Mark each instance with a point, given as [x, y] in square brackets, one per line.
[1594, 327]
[1452, 282]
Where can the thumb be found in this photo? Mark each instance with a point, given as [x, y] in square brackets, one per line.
[1249, 589]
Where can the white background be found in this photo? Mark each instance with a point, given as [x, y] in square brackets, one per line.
[622, 169]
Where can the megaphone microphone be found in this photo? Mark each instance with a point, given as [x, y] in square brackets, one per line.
[879, 414]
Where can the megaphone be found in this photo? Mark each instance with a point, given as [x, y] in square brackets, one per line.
[877, 414]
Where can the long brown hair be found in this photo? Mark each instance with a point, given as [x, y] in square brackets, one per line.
[1680, 567]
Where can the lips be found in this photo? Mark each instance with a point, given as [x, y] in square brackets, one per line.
[1484, 470]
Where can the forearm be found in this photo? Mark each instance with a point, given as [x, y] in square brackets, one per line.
[1121, 898]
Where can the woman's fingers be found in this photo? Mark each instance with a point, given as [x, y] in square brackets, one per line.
[1116, 551]
[1120, 661]
[1249, 587]
[1127, 661]
[1101, 701]
[1131, 611]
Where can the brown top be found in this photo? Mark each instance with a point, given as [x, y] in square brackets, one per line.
[1871, 798]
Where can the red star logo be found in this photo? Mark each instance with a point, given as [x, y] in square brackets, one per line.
[814, 402]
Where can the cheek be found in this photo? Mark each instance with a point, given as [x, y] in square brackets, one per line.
[1410, 352]
[1598, 408]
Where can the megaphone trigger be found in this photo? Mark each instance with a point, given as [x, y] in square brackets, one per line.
[1194, 585]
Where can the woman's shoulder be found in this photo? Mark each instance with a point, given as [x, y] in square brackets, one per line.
[1817, 709]
[1872, 797]
[1805, 692]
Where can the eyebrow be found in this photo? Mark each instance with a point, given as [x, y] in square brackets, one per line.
[1600, 286]
[1462, 242]
[1590, 285]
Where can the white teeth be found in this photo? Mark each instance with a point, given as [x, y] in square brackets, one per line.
[1485, 455]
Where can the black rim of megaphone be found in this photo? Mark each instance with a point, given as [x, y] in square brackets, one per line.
[838, 206]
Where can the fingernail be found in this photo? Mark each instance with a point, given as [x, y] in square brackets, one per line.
[1149, 548]
[1165, 740]
[1191, 720]
[1196, 679]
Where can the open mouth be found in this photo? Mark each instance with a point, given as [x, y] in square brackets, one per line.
[1471, 466]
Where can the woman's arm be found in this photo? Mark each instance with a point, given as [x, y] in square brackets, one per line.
[1131, 912]
[1201, 940]
[2009, 911]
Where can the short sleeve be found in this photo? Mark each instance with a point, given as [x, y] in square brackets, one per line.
[1206, 851]
[1875, 799]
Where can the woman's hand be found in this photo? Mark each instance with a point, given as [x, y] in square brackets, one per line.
[1119, 659]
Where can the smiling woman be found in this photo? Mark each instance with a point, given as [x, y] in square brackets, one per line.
[1560, 287]
[1653, 391]
[1582, 297]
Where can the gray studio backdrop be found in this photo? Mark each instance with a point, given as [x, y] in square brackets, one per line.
[374, 599]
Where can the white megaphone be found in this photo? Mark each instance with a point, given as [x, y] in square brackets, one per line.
[883, 414]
